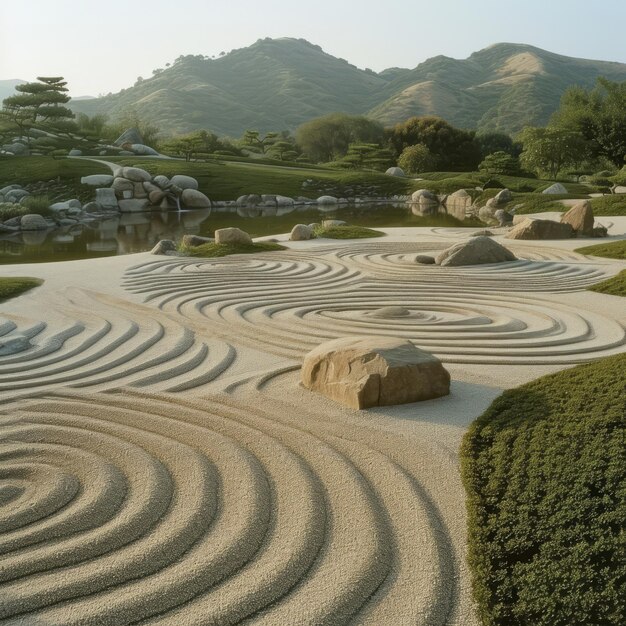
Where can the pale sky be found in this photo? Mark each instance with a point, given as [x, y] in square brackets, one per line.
[104, 45]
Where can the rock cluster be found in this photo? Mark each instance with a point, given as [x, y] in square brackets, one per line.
[362, 372]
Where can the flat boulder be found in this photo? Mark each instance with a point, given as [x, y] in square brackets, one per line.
[540, 229]
[232, 235]
[580, 218]
[475, 251]
[194, 199]
[301, 232]
[362, 372]
[164, 246]
[97, 180]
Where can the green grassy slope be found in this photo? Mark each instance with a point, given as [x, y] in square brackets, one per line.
[16, 285]
[278, 84]
[545, 473]
[610, 250]
[615, 286]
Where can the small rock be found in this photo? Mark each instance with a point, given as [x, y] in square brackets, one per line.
[540, 229]
[424, 259]
[301, 232]
[557, 188]
[232, 235]
[196, 240]
[32, 221]
[184, 182]
[194, 199]
[163, 247]
[395, 171]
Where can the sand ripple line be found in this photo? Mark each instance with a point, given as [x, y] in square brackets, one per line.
[128, 508]
[479, 314]
[105, 343]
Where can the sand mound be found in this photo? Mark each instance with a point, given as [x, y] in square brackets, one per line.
[124, 509]
[289, 303]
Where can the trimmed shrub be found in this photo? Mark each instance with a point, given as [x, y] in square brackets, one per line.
[545, 472]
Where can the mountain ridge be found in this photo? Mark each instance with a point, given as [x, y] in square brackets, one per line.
[277, 84]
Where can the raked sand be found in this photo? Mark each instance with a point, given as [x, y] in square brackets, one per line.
[160, 464]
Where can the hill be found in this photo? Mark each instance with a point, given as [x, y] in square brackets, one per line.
[277, 84]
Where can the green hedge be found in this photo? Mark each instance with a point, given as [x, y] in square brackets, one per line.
[545, 472]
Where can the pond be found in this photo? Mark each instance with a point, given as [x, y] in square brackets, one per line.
[138, 232]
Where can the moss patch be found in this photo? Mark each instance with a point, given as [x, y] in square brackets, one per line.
[214, 250]
[615, 286]
[545, 475]
[611, 250]
[14, 286]
[347, 232]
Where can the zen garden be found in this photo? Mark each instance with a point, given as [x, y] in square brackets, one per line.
[327, 360]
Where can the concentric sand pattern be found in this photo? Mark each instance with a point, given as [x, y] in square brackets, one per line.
[291, 301]
[107, 344]
[126, 509]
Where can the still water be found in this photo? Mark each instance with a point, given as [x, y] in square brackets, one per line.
[138, 232]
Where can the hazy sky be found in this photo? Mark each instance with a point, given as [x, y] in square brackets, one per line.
[104, 45]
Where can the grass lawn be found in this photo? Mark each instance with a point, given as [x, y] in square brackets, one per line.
[615, 286]
[14, 286]
[214, 250]
[347, 232]
[545, 472]
[610, 250]
[609, 205]
[227, 180]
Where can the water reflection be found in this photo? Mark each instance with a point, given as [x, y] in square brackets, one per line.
[137, 232]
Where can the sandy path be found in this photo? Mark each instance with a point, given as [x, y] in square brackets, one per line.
[159, 463]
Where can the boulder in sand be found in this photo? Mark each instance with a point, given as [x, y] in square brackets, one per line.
[580, 218]
[540, 229]
[475, 251]
[232, 235]
[361, 372]
[301, 232]
[163, 247]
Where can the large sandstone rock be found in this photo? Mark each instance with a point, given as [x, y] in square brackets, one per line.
[194, 199]
[540, 229]
[232, 235]
[361, 372]
[580, 218]
[475, 251]
[32, 221]
[557, 188]
[301, 232]
[184, 182]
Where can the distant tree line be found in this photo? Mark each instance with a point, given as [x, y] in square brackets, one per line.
[586, 134]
